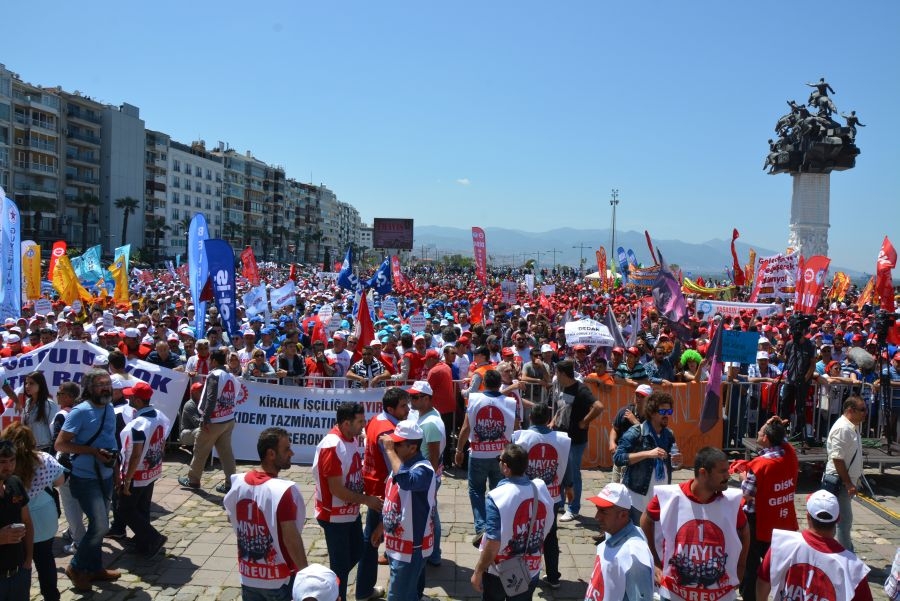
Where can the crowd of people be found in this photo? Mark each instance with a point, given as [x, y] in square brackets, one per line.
[487, 383]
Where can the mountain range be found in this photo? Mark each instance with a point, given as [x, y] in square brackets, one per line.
[514, 247]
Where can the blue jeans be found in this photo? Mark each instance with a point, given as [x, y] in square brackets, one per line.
[845, 524]
[342, 540]
[481, 472]
[435, 558]
[573, 476]
[367, 571]
[93, 495]
[283, 593]
[17, 587]
[407, 579]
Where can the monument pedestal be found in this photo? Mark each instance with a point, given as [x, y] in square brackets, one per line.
[810, 203]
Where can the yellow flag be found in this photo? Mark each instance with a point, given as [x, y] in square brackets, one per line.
[867, 295]
[31, 270]
[66, 282]
[120, 277]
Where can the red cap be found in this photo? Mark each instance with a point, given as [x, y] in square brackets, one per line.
[139, 389]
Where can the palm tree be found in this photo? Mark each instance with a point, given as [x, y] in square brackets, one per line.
[128, 206]
[156, 226]
[85, 203]
[308, 238]
[232, 231]
[38, 206]
[183, 227]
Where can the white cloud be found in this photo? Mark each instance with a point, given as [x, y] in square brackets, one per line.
[463, 181]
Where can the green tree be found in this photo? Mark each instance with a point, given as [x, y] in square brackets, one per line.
[85, 203]
[156, 227]
[128, 206]
[38, 206]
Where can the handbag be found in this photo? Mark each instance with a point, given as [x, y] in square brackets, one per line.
[563, 417]
[832, 482]
[513, 572]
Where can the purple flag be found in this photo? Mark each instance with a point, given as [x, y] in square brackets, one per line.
[609, 320]
[709, 413]
[667, 294]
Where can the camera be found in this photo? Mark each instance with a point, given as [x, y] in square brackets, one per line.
[112, 455]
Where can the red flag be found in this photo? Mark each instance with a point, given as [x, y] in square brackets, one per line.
[738, 272]
[250, 270]
[365, 329]
[59, 249]
[395, 270]
[809, 290]
[650, 246]
[292, 275]
[476, 315]
[479, 244]
[206, 294]
[887, 260]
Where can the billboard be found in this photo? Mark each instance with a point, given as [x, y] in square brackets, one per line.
[392, 233]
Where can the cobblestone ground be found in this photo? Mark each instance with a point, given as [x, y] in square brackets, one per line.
[200, 562]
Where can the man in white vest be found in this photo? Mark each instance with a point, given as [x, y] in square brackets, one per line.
[409, 497]
[267, 514]
[812, 564]
[488, 426]
[508, 532]
[143, 447]
[548, 456]
[623, 569]
[699, 535]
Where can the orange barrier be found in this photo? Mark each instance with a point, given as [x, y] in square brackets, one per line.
[685, 422]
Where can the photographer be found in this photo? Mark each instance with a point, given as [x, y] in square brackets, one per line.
[320, 365]
[799, 368]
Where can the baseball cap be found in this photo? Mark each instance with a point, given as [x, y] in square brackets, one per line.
[644, 390]
[13, 338]
[132, 333]
[633, 350]
[420, 387]
[432, 354]
[408, 429]
[546, 348]
[823, 506]
[196, 386]
[579, 347]
[762, 355]
[315, 581]
[140, 389]
[100, 361]
[613, 495]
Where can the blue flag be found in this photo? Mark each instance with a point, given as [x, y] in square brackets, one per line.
[10, 259]
[198, 269]
[623, 263]
[220, 262]
[380, 281]
[346, 278]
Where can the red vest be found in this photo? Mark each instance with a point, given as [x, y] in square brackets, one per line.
[416, 363]
[776, 481]
[375, 470]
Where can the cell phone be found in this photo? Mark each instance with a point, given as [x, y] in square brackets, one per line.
[17, 526]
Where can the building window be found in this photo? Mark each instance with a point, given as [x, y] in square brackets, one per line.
[198, 187]
[197, 202]
[176, 214]
[208, 189]
[209, 174]
[219, 176]
[176, 181]
[176, 198]
[176, 165]
[187, 200]
[187, 169]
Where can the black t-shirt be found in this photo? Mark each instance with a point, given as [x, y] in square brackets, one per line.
[798, 358]
[13, 500]
[620, 424]
[581, 406]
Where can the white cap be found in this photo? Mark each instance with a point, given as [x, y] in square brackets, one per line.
[420, 387]
[315, 581]
[546, 348]
[823, 506]
[613, 495]
[100, 361]
[132, 333]
[644, 390]
[763, 340]
[408, 429]
[762, 355]
[13, 338]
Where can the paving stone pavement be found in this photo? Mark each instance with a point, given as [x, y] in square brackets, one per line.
[200, 562]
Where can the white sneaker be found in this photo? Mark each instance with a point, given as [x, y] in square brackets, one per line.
[567, 516]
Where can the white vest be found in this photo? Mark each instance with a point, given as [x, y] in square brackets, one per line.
[514, 502]
[612, 564]
[155, 430]
[491, 423]
[548, 455]
[800, 572]
[252, 511]
[222, 406]
[329, 508]
[701, 545]
[398, 519]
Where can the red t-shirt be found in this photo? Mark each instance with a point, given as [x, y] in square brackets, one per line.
[286, 511]
[440, 378]
[653, 505]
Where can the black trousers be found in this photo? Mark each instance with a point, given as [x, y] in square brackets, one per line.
[134, 510]
[755, 555]
[46, 569]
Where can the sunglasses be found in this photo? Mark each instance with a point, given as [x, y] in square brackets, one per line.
[665, 411]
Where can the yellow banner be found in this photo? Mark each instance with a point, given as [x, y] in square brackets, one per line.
[690, 287]
[120, 277]
[867, 295]
[31, 270]
[66, 282]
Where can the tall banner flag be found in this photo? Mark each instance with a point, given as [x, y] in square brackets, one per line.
[623, 263]
[380, 281]
[601, 269]
[31, 270]
[750, 268]
[395, 270]
[650, 246]
[66, 282]
[120, 278]
[812, 281]
[87, 267]
[839, 286]
[887, 260]
[479, 247]
[868, 292]
[632, 260]
[738, 272]
[220, 261]
[198, 268]
[250, 269]
[346, 278]
[59, 249]
[10, 260]
[124, 251]
[709, 413]
[364, 328]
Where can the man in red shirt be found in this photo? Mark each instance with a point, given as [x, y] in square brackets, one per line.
[319, 364]
[812, 564]
[14, 347]
[701, 556]
[258, 504]
[439, 375]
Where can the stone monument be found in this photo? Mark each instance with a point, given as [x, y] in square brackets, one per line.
[809, 147]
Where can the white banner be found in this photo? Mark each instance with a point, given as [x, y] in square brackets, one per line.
[725, 308]
[64, 361]
[589, 332]
[255, 300]
[548, 289]
[529, 282]
[776, 277]
[508, 291]
[306, 413]
[284, 296]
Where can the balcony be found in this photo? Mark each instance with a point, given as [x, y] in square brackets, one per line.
[36, 190]
[37, 167]
[81, 157]
[84, 137]
[84, 179]
[46, 125]
[42, 145]
[38, 100]
[83, 116]
[156, 185]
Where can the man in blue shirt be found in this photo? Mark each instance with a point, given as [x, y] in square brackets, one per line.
[406, 517]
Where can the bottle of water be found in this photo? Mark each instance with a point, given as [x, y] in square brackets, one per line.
[675, 456]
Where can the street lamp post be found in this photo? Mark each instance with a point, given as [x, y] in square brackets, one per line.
[614, 201]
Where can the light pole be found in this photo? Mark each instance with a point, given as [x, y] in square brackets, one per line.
[614, 201]
[581, 246]
[555, 252]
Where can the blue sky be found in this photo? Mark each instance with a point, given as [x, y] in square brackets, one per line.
[510, 114]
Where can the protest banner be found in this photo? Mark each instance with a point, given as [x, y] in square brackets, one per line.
[508, 290]
[776, 277]
[589, 332]
[739, 347]
[733, 309]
